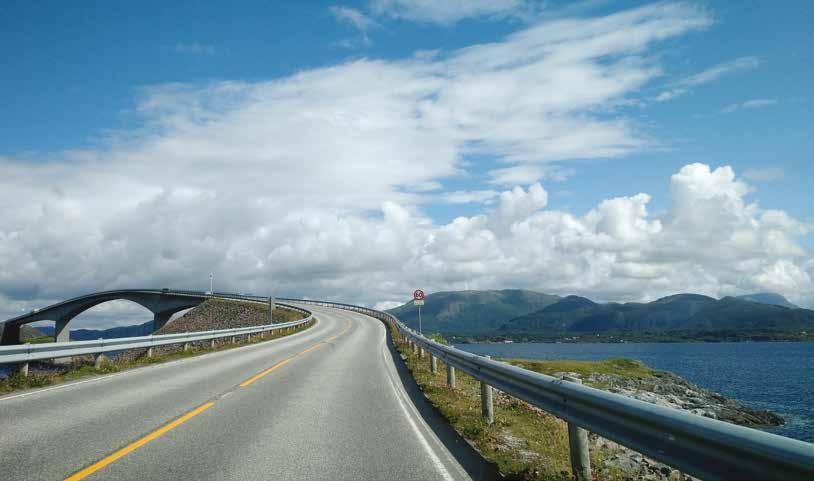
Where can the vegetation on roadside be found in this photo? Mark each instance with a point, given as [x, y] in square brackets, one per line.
[84, 367]
[524, 442]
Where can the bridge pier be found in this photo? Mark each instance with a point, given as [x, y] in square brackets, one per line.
[160, 319]
[62, 334]
[11, 335]
[61, 331]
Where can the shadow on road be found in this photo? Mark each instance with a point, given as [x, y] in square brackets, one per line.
[475, 465]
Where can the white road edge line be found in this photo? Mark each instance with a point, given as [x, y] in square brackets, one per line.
[436, 461]
[143, 368]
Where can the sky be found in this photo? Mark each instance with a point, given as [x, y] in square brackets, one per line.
[355, 151]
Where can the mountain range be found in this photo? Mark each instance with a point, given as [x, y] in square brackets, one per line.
[517, 312]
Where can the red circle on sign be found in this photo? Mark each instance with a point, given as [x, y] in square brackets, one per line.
[418, 295]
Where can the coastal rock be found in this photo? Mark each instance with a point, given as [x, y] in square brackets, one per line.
[670, 390]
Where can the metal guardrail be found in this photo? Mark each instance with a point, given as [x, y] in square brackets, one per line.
[700, 446]
[24, 353]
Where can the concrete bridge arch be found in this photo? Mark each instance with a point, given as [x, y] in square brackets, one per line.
[163, 304]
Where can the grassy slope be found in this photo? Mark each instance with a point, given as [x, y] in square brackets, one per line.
[525, 443]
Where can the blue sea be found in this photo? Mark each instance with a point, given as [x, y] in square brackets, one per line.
[777, 376]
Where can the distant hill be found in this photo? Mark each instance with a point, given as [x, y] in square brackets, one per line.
[144, 329]
[27, 333]
[683, 312]
[472, 311]
[768, 298]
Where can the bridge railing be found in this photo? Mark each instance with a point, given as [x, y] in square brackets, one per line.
[25, 353]
[700, 446]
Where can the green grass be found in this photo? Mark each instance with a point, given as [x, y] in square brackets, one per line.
[627, 368]
[16, 381]
[39, 339]
[524, 442]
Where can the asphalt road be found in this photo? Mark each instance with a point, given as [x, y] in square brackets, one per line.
[327, 403]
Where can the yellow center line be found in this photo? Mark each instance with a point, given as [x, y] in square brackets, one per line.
[258, 376]
[267, 371]
[141, 442]
[186, 417]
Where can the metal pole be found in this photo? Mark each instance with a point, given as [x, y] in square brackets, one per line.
[419, 320]
[212, 282]
[487, 407]
[271, 310]
[578, 443]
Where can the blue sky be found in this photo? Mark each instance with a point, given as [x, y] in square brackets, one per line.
[111, 83]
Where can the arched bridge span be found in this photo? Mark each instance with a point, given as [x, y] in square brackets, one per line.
[162, 303]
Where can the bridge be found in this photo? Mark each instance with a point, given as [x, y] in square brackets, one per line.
[331, 402]
[163, 303]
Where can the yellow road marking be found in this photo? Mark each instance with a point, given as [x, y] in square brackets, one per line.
[267, 371]
[141, 442]
[258, 376]
[186, 417]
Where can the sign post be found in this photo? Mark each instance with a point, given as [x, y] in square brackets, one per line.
[271, 309]
[418, 300]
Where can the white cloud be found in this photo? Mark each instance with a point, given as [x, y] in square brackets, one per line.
[767, 174]
[749, 104]
[469, 196]
[195, 48]
[357, 20]
[312, 184]
[451, 11]
[709, 75]
[526, 174]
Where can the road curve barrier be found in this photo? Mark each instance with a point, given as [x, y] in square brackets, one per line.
[702, 447]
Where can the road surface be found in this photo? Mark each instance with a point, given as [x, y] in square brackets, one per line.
[326, 403]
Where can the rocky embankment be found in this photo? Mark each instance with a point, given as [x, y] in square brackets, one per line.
[667, 389]
[216, 314]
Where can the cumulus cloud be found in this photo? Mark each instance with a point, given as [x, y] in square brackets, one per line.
[316, 184]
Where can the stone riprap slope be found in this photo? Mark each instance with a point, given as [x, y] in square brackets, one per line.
[665, 388]
[216, 314]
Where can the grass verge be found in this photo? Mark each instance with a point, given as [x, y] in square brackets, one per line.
[85, 368]
[525, 442]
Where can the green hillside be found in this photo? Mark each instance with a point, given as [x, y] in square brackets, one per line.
[465, 312]
[682, 312]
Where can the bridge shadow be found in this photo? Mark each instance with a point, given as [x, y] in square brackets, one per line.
[475, 465]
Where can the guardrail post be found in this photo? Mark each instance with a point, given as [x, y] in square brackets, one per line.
[433, 364]
[450, 376]
[24, 366]
[487, 407]
[212, 343]
[99, 360]
[415, 347]
[149, 352]
[186, 346]
[421, 352]
[234, 339]
[578, 443]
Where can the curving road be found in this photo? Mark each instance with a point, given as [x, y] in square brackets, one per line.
[327, 403]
